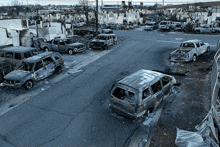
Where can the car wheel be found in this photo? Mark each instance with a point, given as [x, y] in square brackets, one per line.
[194, 58]
[46, 49]
[208, 49]
[58, 70]
[28, 85]
[70, 52]
[197, 31]
[106, 47]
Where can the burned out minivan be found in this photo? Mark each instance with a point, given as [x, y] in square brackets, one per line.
[143, 90]
[103, 41]
[34, 69]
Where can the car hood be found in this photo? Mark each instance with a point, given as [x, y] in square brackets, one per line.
[16, 75]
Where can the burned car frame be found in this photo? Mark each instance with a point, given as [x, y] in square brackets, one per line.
[189, 51]
[143, 90]
[34, 69]
[18, 52]
[103, 41]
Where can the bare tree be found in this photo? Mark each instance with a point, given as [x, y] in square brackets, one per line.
[86, 6]
[16, 5]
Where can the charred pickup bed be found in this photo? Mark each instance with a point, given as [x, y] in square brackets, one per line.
[189, 51]
[63, 45]
[34, 69]
[143, 90]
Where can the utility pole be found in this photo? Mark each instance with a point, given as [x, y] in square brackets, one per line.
[163, 2]
[97, 17]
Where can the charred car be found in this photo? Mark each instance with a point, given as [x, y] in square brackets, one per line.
[107, 31]
[189, 51]
[166, 25]
[34, 69]
[143, 90]
[18, 52]
[151, 26]
[63, 45]
[103, 41]
[11, 56]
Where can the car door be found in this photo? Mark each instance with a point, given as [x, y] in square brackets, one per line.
[198, 47]
[166, 81]
[55, 45]
[206, 29]
[40, 71]
[157, 91]
[147, 99]
[62, 46]
[202, 46]
[50, 65]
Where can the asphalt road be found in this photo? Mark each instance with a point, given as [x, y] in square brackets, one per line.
[74, 112]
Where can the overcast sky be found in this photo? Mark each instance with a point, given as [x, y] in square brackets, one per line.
[5, 2]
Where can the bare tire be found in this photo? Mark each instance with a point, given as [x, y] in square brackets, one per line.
[28, 85]
[194, 58]
[197, 31]
[46, 49]
[70, 52]
[208, 49]
[58, 70]
[106, 47]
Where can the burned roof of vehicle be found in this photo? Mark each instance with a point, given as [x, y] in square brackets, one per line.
[106, 30]
[62, 39]
[38, 57]
[141, 79]
[18, 49]
[106, 35]
[195, 40]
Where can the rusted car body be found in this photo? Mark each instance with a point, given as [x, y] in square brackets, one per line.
[11, 56]
[143, 90]
[189, 51]
[103, 41]
[63, 45]
[107, 31]
[34, 69]
[18, 52]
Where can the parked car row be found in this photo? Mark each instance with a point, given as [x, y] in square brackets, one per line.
[27, 65]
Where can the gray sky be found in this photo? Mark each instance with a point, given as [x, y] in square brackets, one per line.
[5, 2]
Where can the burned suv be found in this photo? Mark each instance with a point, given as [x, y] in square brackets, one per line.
[34, 69]
[11, 56]
[103, 41]
[143, 90]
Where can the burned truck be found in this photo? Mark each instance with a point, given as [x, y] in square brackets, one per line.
[34, 69]
[63, 45]
[11, 56]
[139, 93]
[189, 51]
[103, 41]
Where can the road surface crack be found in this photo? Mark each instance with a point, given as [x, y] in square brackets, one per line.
[66, 125]
[6, 140]
[126, 141]
[50, 110]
